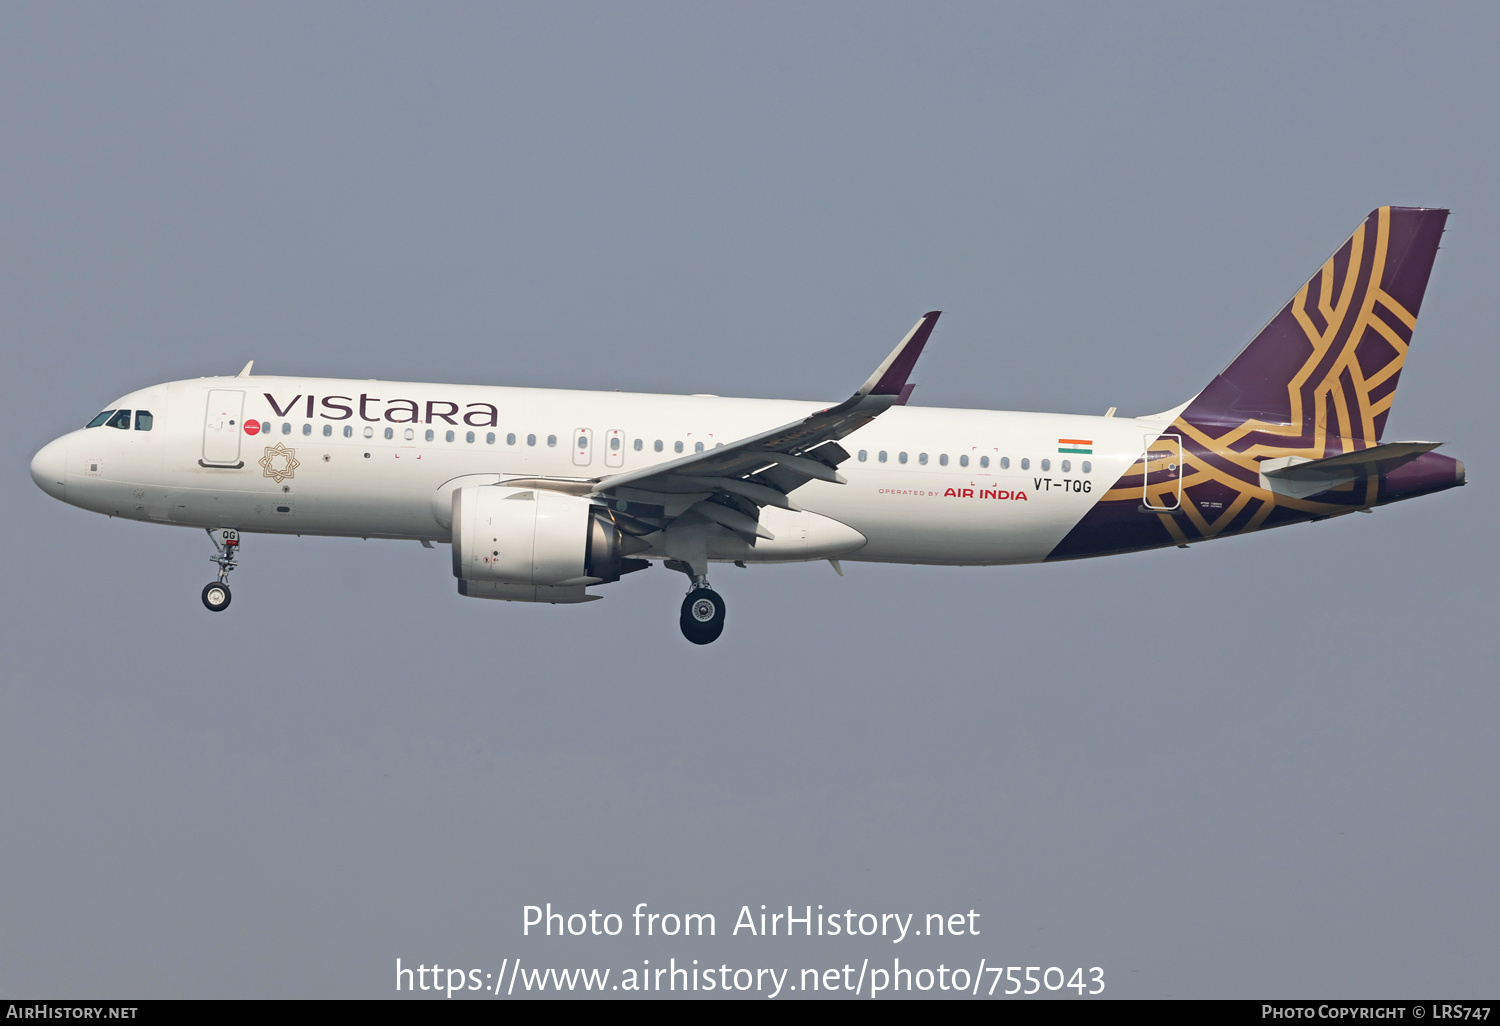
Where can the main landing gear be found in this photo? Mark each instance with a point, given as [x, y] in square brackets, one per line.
[702, 618]
[226, 546]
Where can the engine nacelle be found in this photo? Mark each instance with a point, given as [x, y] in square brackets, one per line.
[531, 536]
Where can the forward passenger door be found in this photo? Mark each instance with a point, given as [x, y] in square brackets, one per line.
[222, 428]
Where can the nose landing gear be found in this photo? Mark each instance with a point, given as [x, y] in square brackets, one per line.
[226, 546]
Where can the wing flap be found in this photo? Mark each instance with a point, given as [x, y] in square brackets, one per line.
[746, 526]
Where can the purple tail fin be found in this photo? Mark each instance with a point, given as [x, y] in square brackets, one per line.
[1320, 377]
[1317, 382]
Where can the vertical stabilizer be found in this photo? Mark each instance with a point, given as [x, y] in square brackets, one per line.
[1321, 375]
[1314, 385]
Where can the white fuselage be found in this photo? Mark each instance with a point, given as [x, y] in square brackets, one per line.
[924, 485]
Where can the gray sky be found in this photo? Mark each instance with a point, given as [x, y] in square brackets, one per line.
[1264, 766]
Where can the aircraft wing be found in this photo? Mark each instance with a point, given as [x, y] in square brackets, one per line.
[728, 484]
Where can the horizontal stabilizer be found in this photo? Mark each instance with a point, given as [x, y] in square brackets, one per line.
[1377, 459]
[1297, 477]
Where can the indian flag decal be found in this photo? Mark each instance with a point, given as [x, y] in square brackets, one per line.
[1078, 445]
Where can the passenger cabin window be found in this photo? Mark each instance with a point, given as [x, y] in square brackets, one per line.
[943, 460]
[881, 457]
[963, 461]
[120, 420]
[100, 419]
[390, 432]
[1067, 465]
[863, 455]
[901, 457]
[657, 445]
[348, 431]
[1004, 462]
[676, 446]
[409, 434]
[531, 439]
[552, 441]
[510, 439]
[614, 443]
[369, 431]
[489, 438]
[1046, 464]
[327, 430]
[430, 436]
[1025, 464]
[583, 442]
[307, 429]
[468, 436]
[1087, 466]
[984, 461]
[143, 420]
[698, 447]
[447, 436]
[640, 443]
[922, 458]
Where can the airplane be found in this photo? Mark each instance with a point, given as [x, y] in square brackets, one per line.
[546, 494]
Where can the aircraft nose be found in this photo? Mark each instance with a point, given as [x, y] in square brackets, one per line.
[49, 468]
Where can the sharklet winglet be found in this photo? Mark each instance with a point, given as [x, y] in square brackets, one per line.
[890, 377]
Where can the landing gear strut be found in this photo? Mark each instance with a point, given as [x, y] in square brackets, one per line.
[702, 618]
[226, 546]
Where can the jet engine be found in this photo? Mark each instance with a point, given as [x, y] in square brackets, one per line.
[522, 543]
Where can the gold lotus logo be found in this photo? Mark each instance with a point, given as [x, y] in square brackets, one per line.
[279, 462]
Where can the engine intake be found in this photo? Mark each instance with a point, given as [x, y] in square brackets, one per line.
[532, 536]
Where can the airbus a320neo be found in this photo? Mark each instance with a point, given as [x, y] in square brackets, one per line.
[552, 496]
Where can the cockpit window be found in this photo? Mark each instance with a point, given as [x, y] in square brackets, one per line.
[100, 419]
[143, 420]
[120, 420]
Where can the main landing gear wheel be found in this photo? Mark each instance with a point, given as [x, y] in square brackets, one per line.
[216, 596]
[702, 616]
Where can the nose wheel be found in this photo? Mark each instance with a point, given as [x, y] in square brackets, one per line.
[216, 597]
[226, 547]
[702, 616]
